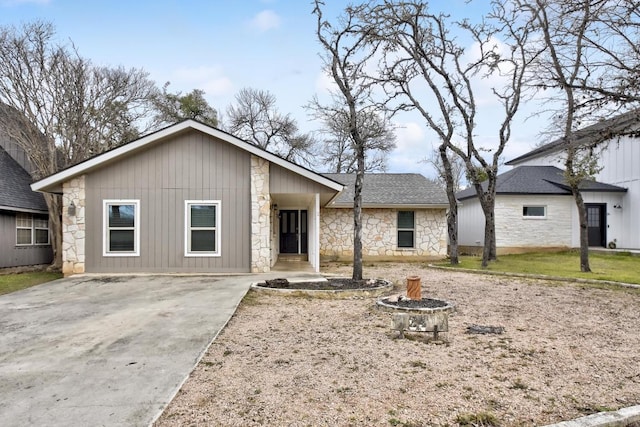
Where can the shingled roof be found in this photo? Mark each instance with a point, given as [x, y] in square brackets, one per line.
[390, 189]
[538, 180]
[588, 136]
[15, 190]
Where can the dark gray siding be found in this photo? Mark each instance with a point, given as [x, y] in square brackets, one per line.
[15, 256]
[191, 166]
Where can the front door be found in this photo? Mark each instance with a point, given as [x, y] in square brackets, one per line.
[597, 224]
[293, 232]
[288, 232]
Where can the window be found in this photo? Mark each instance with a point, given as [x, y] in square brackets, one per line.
[32, 229]
[202, 228]
[534, 211]
[406, 229]
[121, 228]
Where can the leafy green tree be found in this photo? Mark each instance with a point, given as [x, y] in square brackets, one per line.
[174, 107]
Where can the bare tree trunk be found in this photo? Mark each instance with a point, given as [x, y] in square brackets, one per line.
[54, 203]
[584, 230]
[489, 250]
[357, 216]
[452, 214]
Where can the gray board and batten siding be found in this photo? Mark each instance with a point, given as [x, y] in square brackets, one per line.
[283, 181]
[12, 255]
[187, 166]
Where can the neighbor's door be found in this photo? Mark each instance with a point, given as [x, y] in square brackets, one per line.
[597, 224]
[289, 232]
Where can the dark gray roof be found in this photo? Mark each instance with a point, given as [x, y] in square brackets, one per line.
[383, 189]
[538, 180]
[15, 192]
[601, 131]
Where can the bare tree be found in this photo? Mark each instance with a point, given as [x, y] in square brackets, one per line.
[590, 63]
[338, 153]
[346, 54]
[60, 108]
[457, 169]
[255, 118]
[422, 54]
[174, 107]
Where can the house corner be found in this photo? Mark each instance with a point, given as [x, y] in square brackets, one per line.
[73, 226]
[260, 216]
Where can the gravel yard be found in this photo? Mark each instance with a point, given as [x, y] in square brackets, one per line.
[567, 350]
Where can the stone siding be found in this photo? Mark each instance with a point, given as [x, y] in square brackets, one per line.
[260, 216]
[73, 227]
[379, 233]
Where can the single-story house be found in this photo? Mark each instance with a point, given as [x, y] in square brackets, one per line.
[24, 217]
[534, 209]
[192, 198]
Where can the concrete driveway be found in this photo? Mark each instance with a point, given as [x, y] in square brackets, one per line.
[106, 350]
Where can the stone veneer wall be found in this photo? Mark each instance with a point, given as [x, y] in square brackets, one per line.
[379, 233]
[260, 216]
[73, 227]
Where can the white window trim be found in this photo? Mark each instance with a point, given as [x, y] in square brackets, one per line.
[33, 229]
[398, 229]
[36, 228]
[532, 217]
[105, 228]
[187, 228]
[30, 228]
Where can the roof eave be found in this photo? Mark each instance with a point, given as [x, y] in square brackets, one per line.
[27, 210]
[392, 205]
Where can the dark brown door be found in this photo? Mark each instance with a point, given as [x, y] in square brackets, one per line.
[597, 224]
[288, 232]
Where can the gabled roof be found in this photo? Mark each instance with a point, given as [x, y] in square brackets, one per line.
[390, 189]
[53, 183]
[15, 193]
[598, 132]
[538, 180]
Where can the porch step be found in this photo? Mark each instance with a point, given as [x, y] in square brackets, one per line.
[293, 257]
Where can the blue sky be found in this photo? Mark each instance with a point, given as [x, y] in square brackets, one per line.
[221, 46]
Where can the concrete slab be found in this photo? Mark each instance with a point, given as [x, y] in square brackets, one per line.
[107, 350]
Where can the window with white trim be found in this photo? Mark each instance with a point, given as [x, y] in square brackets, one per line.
[539, 212]
[406, 229]
[202, 228]
[121, 220]
[32, 230]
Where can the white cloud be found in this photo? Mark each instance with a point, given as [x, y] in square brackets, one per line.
[265, 21]
[212, 80]
[324, 84]
[412, 146]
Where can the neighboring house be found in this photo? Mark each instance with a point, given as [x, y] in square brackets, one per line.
[24, 219]
[534, 206]
[191, 198]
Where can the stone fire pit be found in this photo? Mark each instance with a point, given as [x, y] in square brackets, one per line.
[417, 314]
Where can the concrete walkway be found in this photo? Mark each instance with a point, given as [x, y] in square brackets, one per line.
[107, 350]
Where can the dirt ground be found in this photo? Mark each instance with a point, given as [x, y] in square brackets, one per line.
[567, 350]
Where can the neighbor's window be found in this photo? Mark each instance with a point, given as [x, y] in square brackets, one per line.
[32, 229]
[202, 228]
[534, 211]
[406, 229]
[122, 227]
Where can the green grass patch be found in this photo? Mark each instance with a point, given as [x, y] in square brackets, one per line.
[15, 282]
[617, 267]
